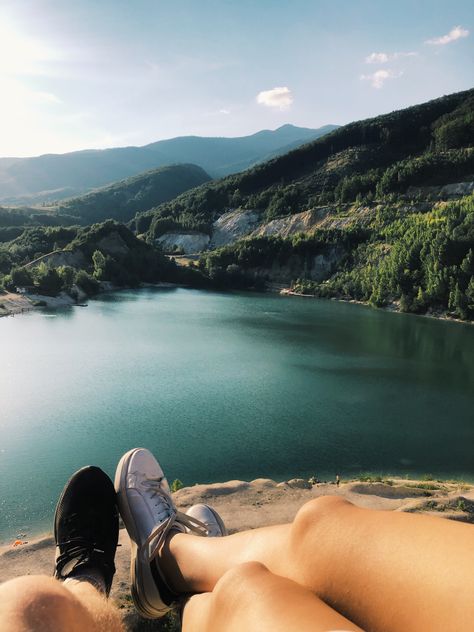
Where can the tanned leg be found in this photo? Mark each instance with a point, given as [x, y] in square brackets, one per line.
[250, 598]
[42, 604]
[388, 571]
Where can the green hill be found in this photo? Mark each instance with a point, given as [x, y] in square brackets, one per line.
[121, 200]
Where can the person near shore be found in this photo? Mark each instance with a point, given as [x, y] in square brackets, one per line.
[335, 567]
[338, 480]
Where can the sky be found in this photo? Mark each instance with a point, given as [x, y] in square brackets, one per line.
[108, 73]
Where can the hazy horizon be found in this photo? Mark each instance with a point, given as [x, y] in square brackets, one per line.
[110, 74]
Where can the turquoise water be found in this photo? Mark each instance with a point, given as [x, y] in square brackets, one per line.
[224, 386]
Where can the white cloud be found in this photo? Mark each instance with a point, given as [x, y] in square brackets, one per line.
[457, 32]
[279, 97]
[383, 58]
[224, 111]
[379, 77]
[45, 97]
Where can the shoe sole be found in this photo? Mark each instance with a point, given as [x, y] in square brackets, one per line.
[140, 573]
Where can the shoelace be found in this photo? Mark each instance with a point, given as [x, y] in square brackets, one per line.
[153, 485]
[78, 549]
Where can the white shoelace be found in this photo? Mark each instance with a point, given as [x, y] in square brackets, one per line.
[167, 519]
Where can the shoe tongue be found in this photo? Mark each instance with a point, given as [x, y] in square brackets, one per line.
[177, 528]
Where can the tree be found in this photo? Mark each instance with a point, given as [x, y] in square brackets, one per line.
[21, 277]
[66, 274]
[467, 265]
[87, 283]
[99, 262]
[47, 280]
[458, 302]
[470, 297]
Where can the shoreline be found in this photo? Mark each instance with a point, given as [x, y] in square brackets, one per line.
[373, 484]
[23, 303]
[12, 304]
[388, 308]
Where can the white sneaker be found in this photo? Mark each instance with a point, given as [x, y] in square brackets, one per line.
[210, 518]
[148, 511]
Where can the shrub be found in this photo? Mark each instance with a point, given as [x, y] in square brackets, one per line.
[176, 485]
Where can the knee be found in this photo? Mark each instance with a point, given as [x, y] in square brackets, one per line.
[33, 591]
[313, 513]
[39, 602]
[238, 579]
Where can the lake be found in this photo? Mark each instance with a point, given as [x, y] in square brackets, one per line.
[223, 386]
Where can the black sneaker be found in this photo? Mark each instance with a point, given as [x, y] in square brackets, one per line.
[86, 527]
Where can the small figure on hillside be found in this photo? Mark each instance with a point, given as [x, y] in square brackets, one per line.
[338, 480]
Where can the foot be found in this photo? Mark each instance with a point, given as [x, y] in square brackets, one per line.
[86, 529]
[149, 514]
[210, 518]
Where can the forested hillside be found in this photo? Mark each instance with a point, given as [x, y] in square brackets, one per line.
[53, 259]
[427, 144]
[121, 200]
[416, 258]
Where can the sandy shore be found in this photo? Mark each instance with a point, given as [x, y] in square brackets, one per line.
[11, 304]
[259, 503]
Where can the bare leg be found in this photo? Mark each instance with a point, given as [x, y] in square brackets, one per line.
[386, 571]
[250, 598]
[42, 604]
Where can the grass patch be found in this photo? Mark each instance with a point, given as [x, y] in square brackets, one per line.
[374, 478]
[426, 486]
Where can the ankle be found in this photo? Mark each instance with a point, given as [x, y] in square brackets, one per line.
[168, 562]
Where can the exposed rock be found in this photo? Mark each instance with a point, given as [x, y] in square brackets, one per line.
[53, 302]
[293, 224]
[75, 259]
[189, 242]
[233, 226]
[263, 482]
[317, 268]
[299, 483]
[447, 191]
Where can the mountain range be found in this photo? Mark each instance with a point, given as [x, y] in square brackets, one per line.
[53, 177]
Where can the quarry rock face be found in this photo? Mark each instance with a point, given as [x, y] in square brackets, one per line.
[188, 243]
[232, 226]
[293, 224]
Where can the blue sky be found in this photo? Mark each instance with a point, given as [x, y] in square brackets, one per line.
[103, 73]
